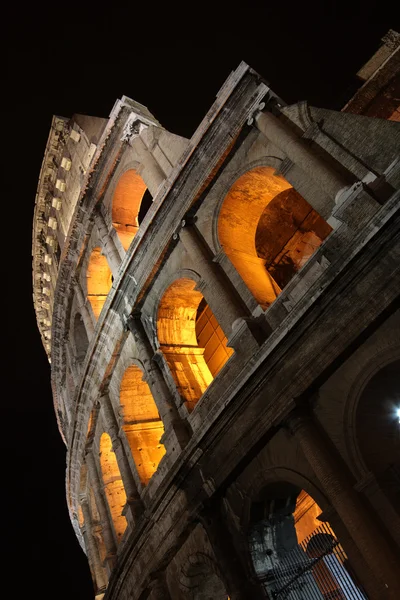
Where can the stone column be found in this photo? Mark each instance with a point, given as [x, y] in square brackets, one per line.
[108, 246]
[229, 310]
[111, 425]
[149, 170]
[357, 518]
[106, 525]
[176, 433]
[238, 582]
[300, 153]
[87, 319]
[92, 549]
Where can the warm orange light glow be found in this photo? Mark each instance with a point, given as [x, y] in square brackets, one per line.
[89, 427]
[268, 231]
[306, 523]
[142, 424]
[98, 280]
[126, 204]
[211, 337]
[114, 488]
[306, 516]
[186, 349]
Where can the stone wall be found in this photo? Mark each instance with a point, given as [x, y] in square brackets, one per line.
[279, 410]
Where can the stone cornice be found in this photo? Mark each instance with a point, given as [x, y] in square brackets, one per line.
[47, 177]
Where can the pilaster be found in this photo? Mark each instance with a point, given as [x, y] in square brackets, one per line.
[176, 429]
[82, 308]
[149, 169]
[229, 310]
[133, 496]
[105, 521]
[108, 246]
[92, 549]
[299, 151]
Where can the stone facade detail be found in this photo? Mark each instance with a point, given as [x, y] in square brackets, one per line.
[221, 315]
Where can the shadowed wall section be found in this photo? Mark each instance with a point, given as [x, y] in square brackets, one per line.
[80, 338]
[126, 206]
[113, 486]
[268, 231]
[202, 583]
[98, 280]
[376, 418]
[191, 339]
[142, 424]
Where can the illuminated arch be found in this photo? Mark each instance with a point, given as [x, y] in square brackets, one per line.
[113, 486]
[99, 280]
[191, 339]
[268, 231]
[126, 204]
[141, 423]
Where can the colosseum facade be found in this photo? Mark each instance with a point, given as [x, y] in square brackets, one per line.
[221, 315]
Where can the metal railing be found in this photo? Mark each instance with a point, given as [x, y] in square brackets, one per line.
[316, 569]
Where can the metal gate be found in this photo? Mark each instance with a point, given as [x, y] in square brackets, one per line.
[317, 569]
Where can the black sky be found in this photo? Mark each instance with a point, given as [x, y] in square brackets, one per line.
[64, 60]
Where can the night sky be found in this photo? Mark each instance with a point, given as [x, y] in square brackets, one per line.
[67, 61]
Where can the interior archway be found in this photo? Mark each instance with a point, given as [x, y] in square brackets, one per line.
[377, 418]
[268, 231]
[99, 280]
[294, 553]
[113, 486]
[191, 339]
[141, 423]
[127, 210]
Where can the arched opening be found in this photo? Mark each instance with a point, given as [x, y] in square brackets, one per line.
[99, 280]
[191, 339]
[203, 583]
[295, 555]
[268, 231]
[113, 486]
[142, 424]
[80, 338]
[130, 203]
[377, 419]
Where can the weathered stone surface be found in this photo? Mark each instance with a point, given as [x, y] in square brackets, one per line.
[173, 459]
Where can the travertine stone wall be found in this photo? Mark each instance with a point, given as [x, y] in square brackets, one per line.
[191, 466]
